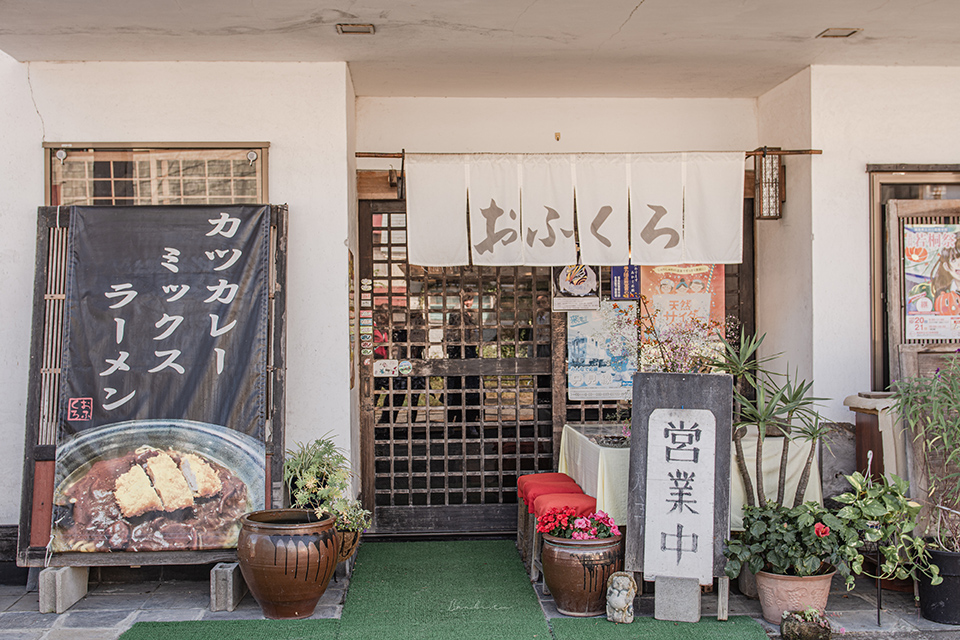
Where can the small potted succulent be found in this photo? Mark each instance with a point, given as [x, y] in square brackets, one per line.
[805, 624]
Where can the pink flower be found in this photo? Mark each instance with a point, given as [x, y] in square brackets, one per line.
[821, 530]
[615, 530]
[581, 523]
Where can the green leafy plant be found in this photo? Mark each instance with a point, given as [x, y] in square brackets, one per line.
[774, 403]
[810, 539]
[931, 408]
[317, 474]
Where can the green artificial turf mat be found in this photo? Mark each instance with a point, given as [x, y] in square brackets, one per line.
[234, 630]
[462, 590]
[736, 628]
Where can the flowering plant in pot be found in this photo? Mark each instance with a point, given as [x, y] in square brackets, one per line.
[579, 554]
[563, 522]
[317, 474]
[809, 543]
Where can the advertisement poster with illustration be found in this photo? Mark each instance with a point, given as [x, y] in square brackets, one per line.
[164, 378]
[931, 280]
[679, 294]
[601, 352]
[576, 287]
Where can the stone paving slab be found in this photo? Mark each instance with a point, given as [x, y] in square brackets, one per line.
[173, 615]
[94, 619]
[20, 635]
[111, 602]
[27, 620]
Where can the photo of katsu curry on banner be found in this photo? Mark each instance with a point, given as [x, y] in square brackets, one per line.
[163, 388]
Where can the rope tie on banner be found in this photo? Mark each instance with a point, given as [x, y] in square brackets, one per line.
[48, 553]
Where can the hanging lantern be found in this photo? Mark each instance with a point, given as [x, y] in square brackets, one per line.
[768, 188]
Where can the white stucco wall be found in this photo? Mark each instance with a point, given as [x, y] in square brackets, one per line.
[783, 251]
[529, 125]
[21, 186]
[304, 110]
[861, 116]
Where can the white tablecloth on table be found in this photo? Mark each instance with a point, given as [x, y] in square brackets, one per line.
[602, 472]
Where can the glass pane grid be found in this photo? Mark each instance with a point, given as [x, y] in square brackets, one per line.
[456, 439]
[203, 176]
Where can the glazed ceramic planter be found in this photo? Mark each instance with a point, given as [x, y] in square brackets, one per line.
[791, 593]
[347, 542]
[287, 557]
[576, 572]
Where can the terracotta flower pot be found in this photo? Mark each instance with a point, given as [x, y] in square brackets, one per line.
[287, 557]
[348, 541]
[576, 572]
[791, 593]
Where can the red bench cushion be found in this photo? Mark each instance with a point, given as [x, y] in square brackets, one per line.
[581, 503]
[536, 490]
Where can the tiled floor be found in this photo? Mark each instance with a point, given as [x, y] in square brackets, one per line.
[853, 611]
[110, 609]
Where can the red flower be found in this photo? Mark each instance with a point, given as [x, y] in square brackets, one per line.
[821, 530]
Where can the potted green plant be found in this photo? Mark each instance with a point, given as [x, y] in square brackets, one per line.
[930, 407]
[795, 551]
[287, 556]
[318, 476]
[579, 554]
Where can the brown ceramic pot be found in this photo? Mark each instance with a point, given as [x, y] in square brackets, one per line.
[576, 572]
[780, 593]
[287, 557]
[348, 541]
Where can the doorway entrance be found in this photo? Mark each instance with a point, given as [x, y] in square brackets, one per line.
[475, 391]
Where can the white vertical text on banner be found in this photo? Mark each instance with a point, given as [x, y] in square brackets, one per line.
[436, 210]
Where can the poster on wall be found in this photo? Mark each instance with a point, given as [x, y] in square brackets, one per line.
[576, 287]
[679, 295]
[164, 378]
[625, 282]
[601, 352]
[931, 280]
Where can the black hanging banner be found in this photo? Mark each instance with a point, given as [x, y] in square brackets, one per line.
[163, 392]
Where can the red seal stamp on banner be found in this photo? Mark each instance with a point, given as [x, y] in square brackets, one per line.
[80, 409]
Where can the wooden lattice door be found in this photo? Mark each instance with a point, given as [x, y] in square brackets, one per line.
[470, 405]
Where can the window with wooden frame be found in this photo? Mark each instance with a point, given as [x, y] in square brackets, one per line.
[189, 173]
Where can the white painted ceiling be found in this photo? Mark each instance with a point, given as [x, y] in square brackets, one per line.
[508, 48]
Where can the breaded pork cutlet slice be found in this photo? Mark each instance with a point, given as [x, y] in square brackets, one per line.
[134, 494]
[169, 482]
[201, 477]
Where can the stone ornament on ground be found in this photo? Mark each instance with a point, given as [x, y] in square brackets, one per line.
[621, 591]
